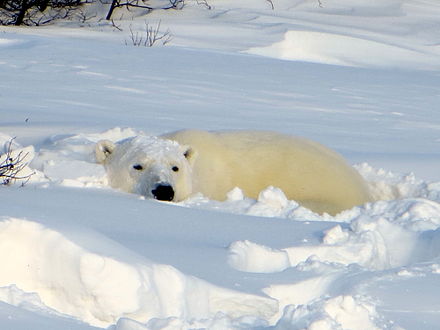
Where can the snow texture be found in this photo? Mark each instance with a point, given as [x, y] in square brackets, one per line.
[360, 77]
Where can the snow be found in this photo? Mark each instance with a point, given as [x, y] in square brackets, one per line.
[350, 51]
[361, 77]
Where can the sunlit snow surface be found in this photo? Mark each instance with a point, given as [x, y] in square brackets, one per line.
[77, 254]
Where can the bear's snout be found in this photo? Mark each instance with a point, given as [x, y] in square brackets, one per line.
[163, 192]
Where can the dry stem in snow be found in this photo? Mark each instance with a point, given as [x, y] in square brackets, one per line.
[11, 164]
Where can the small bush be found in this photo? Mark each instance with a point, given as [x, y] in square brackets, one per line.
[36, 12]
[11, 166]
[149, 36]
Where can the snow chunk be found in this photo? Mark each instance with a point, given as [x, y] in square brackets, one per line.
[341, 312]
[235, 194]
[251, 257]
[380, 236]
[100, 289]
[385, 185]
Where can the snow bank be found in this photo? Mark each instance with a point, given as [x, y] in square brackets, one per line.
[70, 160]
[399, 229]
[389, 33]
[380, 236]
[347, 50]
[59, 275]
[342, 312]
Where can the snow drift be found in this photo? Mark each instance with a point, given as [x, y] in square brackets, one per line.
[100, 290]
[76, 254]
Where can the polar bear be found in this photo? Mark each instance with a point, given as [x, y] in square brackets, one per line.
[173, 166]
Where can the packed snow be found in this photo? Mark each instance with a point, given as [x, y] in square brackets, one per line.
[360, 77]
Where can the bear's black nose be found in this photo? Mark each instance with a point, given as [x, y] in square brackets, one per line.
[163, 192]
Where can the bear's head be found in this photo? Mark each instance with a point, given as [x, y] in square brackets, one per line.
[150, 166]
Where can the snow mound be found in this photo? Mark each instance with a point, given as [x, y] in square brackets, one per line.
[380, 236]
[338, 49]
[399, 230]
[342, 312]
[60, 275]
[70, 159]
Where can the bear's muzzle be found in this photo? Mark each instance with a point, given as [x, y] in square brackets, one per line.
[163, 192]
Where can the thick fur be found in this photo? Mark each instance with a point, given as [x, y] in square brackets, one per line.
[141, 164]
[307, 172]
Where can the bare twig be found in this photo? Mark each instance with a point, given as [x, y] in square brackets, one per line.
[150, 36]
[271, 4]
[204, 3]
[117, 27]
[173, 4]
[83, 16]
[11, 166]
[37, 18]
[176, 4]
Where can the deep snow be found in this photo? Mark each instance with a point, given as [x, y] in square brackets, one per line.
[77, 254]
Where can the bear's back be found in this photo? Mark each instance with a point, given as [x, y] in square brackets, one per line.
[306, 171]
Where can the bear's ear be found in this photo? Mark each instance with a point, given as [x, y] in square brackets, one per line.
[103, 149]
[189, 153]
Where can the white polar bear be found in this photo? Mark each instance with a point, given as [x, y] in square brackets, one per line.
[150, 166]
[175, 165]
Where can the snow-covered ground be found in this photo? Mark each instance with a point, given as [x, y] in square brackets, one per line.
[362, 77]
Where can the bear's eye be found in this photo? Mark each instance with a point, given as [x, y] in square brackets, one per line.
[138, 167]
[175, 168]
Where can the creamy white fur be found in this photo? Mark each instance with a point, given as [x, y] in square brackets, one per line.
[156, 156]
[306, 171]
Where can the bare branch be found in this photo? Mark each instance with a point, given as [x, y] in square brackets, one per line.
[11, 166]
[36, 12]
[115, 26]
[83, 17]
[204, 3]
[174, 4]
[271, 4]
[150, 36]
